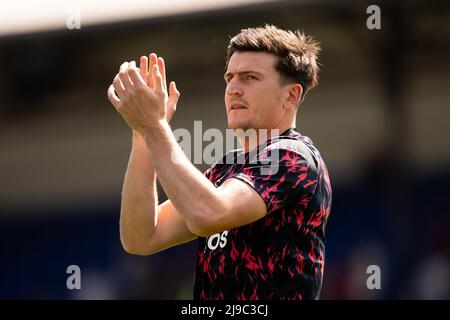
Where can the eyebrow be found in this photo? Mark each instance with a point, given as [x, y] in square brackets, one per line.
[228, 74]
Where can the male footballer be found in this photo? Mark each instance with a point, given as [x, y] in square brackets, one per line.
[259, 222]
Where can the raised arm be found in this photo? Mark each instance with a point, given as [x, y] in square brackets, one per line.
[205, 209]
[145, 226]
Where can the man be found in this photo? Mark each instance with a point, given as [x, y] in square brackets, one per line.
[261, 234]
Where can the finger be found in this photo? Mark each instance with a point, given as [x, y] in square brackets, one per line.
[136, 77]
[162, 69]
[174, 95]
[123, 66]
[173, 91]
[157, 80]
[125, 79]
[143, 67]
[112, 97]
[131, 66]
[152, 57]
[118, 86]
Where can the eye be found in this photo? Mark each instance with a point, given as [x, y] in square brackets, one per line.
[249, 76]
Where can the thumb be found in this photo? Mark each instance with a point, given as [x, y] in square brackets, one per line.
[174, 94]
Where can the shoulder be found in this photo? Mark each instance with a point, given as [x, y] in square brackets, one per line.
[230, 158]
[291, 146]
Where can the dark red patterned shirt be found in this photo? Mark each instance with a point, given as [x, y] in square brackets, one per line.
[282, 255]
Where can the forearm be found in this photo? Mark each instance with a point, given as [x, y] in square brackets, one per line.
[139, 198]
[192, 194]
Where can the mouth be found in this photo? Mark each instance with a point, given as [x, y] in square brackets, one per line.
[237, 106]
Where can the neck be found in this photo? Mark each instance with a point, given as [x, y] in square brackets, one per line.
[251, 138]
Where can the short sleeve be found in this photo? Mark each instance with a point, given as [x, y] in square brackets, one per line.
[207, 173]
[279, 176]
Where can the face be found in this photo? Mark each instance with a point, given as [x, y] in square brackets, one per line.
[254, 96]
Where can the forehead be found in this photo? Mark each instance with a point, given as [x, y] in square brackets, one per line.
[262, 62]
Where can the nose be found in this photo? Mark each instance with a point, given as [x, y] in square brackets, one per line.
[233, 89]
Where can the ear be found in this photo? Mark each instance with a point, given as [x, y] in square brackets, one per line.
[293, 95]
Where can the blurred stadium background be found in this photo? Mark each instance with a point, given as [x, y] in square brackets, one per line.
[380, 117]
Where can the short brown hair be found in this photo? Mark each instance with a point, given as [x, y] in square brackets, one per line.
[297, 52]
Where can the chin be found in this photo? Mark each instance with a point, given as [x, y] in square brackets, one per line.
[238, 125]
